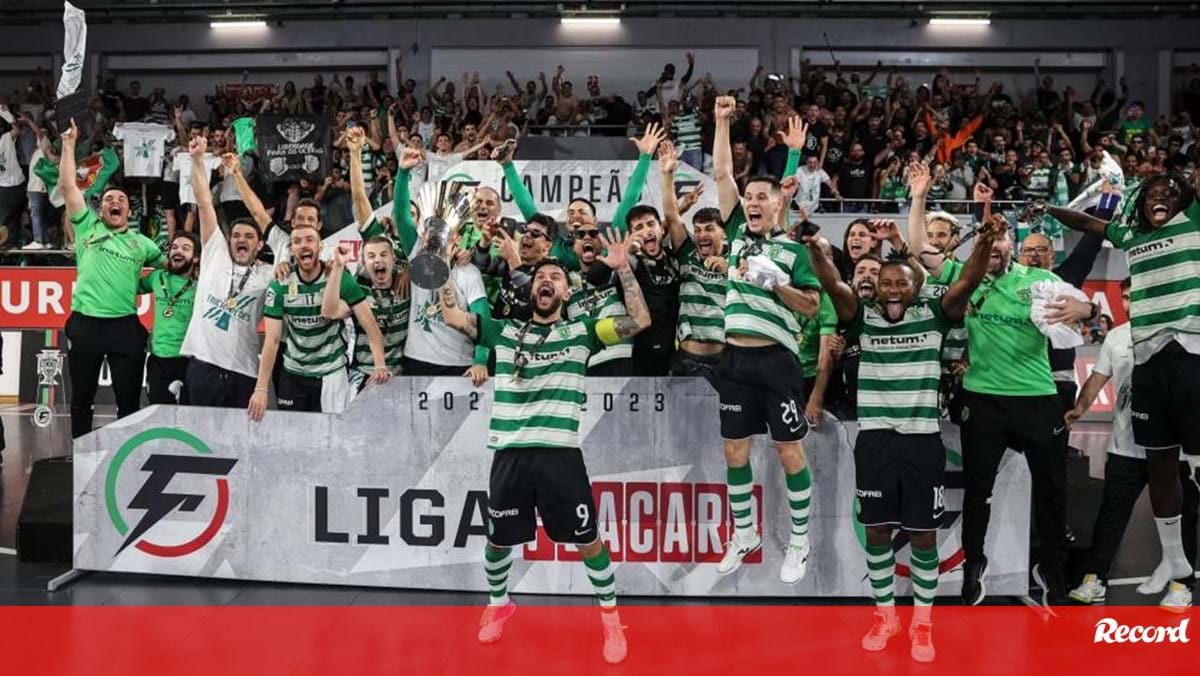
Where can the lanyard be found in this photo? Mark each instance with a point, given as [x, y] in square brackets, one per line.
[231, 297]
[521, 360]
[169, 311]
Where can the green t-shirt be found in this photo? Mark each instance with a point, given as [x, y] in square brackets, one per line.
[811, 330]
[1131, 128]
[899, 367]
[701, 298]
[1008, 352]
[313, 346]
[752, 311]
[109, 267]
[174, 296]
[1164, 269]
[539, 407]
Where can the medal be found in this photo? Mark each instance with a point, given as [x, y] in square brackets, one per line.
[168, 312]
[231, 302]
[431, 311]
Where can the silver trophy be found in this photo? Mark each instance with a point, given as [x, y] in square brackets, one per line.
[49, 368]
[445, 206]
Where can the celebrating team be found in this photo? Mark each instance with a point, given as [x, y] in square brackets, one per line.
[745, 299]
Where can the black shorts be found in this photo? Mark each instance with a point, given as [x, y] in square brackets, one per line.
[686, 364]
[211, 385]
[900, 479]
[1166, 398]
[552, 480]
[613, 368]
[414, 367]
[761, 390]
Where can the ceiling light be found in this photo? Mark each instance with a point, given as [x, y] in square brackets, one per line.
[223, 25]
[592, 21]
[959, 21]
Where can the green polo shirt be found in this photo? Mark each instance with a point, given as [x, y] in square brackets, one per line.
[110, 266]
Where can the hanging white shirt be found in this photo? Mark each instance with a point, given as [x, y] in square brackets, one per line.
[224, 326]
[144, 147]
[438, 165]
[10, 166]
[1116, 362]
[183, 164]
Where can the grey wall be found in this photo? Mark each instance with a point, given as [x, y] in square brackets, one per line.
[1135, 45]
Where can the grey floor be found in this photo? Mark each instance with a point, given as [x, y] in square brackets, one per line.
[25, 583]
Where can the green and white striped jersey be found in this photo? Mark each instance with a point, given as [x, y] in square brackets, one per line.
[391, 314]
[1164, 264]
[954, 345]
[701, 298]
[899, 368]
[599, 302]
[752, 311]
[685, 127]
[538, 406]
[312, 345]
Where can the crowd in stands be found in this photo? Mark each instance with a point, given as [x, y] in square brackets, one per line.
[1045, 143]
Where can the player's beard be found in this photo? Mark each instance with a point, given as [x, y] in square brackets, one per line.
[179, 267]
[549, 312]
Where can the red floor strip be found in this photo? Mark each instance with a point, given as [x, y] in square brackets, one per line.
[692, 640]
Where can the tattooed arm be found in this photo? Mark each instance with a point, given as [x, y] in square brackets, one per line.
[638, 317]
[455, 317]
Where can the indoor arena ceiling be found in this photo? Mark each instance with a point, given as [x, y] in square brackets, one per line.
[183, 10]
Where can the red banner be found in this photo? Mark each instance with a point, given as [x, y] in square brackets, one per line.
[1108, 294]
[40, 298]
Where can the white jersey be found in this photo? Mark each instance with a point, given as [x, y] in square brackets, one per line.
[438, 165]
[429, 339]
[10, 166]
[183, 164]
[144, 147]
[808, 193]
[1116, 362]
[224, 326]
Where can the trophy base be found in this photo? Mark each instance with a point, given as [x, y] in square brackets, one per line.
[428, 271]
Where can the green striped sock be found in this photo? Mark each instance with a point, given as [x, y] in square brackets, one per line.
[925, 581]
[497, 562]
[600, 572]
[881, 568]
[741, 482]
[799, 490]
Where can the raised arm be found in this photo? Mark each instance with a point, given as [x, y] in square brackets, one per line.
[918, 188]
[197, 148]
[358, 187]
[646, 146]
[406, 230]
[793, 138]
[454, 316]
[954, 302]
[616, 256]
[676, 228]
[66, 173]
[727, 190]
[521, 195]
[1077, 220]
[254, 205]
[839, 292]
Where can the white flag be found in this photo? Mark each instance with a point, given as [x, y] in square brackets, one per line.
[74, 45]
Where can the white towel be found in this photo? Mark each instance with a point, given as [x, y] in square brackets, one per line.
[762, 272]
[1062, 336]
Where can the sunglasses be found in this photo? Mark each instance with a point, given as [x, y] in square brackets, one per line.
[536, 234]
[587, 234]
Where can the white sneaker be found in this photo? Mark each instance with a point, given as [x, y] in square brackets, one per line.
[1090, 591]
[491, 623]
[1165, 572]
[736, 550]
[1177, 599]
[795, 563]
[885, 626]
[615, 647]
[921, 635]
[34, 246]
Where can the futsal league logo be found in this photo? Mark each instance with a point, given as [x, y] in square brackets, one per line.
[154, 498]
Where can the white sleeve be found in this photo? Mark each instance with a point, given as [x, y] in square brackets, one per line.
[1104, 363]
[215, 251]
[470, 284]
[824, 176]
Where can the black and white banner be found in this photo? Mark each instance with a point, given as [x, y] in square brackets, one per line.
[294, 146]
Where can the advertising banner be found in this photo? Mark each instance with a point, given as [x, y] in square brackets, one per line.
[294, 146]
[393, 493]
[554, 183]
[40, 298]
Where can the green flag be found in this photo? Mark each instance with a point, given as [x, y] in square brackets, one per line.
[91, 173]
[243, 131]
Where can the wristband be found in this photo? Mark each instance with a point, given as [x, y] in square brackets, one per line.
[260, 389]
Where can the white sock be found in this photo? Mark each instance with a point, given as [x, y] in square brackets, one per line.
[1170, 534]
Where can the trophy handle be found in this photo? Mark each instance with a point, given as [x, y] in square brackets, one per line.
[428, 271]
